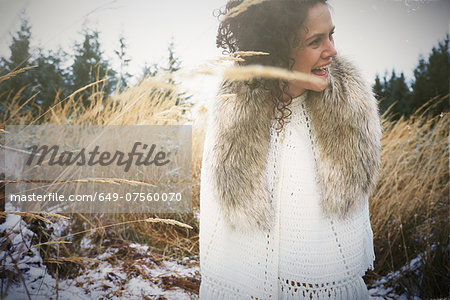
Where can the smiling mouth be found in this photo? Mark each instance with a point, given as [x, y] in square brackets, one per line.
[322, 71]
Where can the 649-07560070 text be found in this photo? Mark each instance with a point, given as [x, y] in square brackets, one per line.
[102, 197]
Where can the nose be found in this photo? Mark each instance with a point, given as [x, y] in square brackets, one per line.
[329, 50]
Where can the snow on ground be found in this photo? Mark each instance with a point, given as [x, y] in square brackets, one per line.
[382, 293]
[144, 279]
[105, 281]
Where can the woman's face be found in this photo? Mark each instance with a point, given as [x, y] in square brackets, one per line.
[314, 53]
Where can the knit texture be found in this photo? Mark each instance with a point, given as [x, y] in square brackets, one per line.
[306, 255]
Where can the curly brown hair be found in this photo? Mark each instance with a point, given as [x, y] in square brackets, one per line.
[271, 26]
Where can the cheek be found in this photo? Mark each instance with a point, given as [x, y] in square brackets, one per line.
[314, 57]
[308, 60]
[301, 63]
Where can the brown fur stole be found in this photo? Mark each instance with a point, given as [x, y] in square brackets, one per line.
[346, 125]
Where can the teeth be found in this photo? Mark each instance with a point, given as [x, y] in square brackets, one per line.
[323, 67]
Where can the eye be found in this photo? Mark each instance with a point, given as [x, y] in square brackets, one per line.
[315, 42]
[331, 34]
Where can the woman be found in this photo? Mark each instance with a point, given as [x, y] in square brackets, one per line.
[288, 166]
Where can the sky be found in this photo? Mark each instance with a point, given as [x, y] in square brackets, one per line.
[378, 35]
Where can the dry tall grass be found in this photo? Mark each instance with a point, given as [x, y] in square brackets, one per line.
[409, 209]
[151, 102]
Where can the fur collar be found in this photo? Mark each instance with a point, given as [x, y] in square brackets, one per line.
[345, 122]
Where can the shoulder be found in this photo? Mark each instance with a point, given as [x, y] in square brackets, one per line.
[242, 92]
[238, 102]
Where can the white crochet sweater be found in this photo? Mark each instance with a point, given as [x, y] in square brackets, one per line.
[306, 255]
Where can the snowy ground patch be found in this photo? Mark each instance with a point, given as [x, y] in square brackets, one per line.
[137, 276]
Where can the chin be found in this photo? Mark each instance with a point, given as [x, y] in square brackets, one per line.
[321, 86]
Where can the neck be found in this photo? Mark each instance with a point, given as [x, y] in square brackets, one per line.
[295, 92]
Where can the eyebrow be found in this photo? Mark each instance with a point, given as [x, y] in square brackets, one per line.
[319, 35]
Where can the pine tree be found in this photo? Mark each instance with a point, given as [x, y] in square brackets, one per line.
[173, 65]
[378, 88]
[401, 94]
[149, 71]
[174, 62]
[20, 58]
[393, 91]
[431, 78]
[89, 66]
[20, 48]
[49, 78]
[387, 98]
[124, 76]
